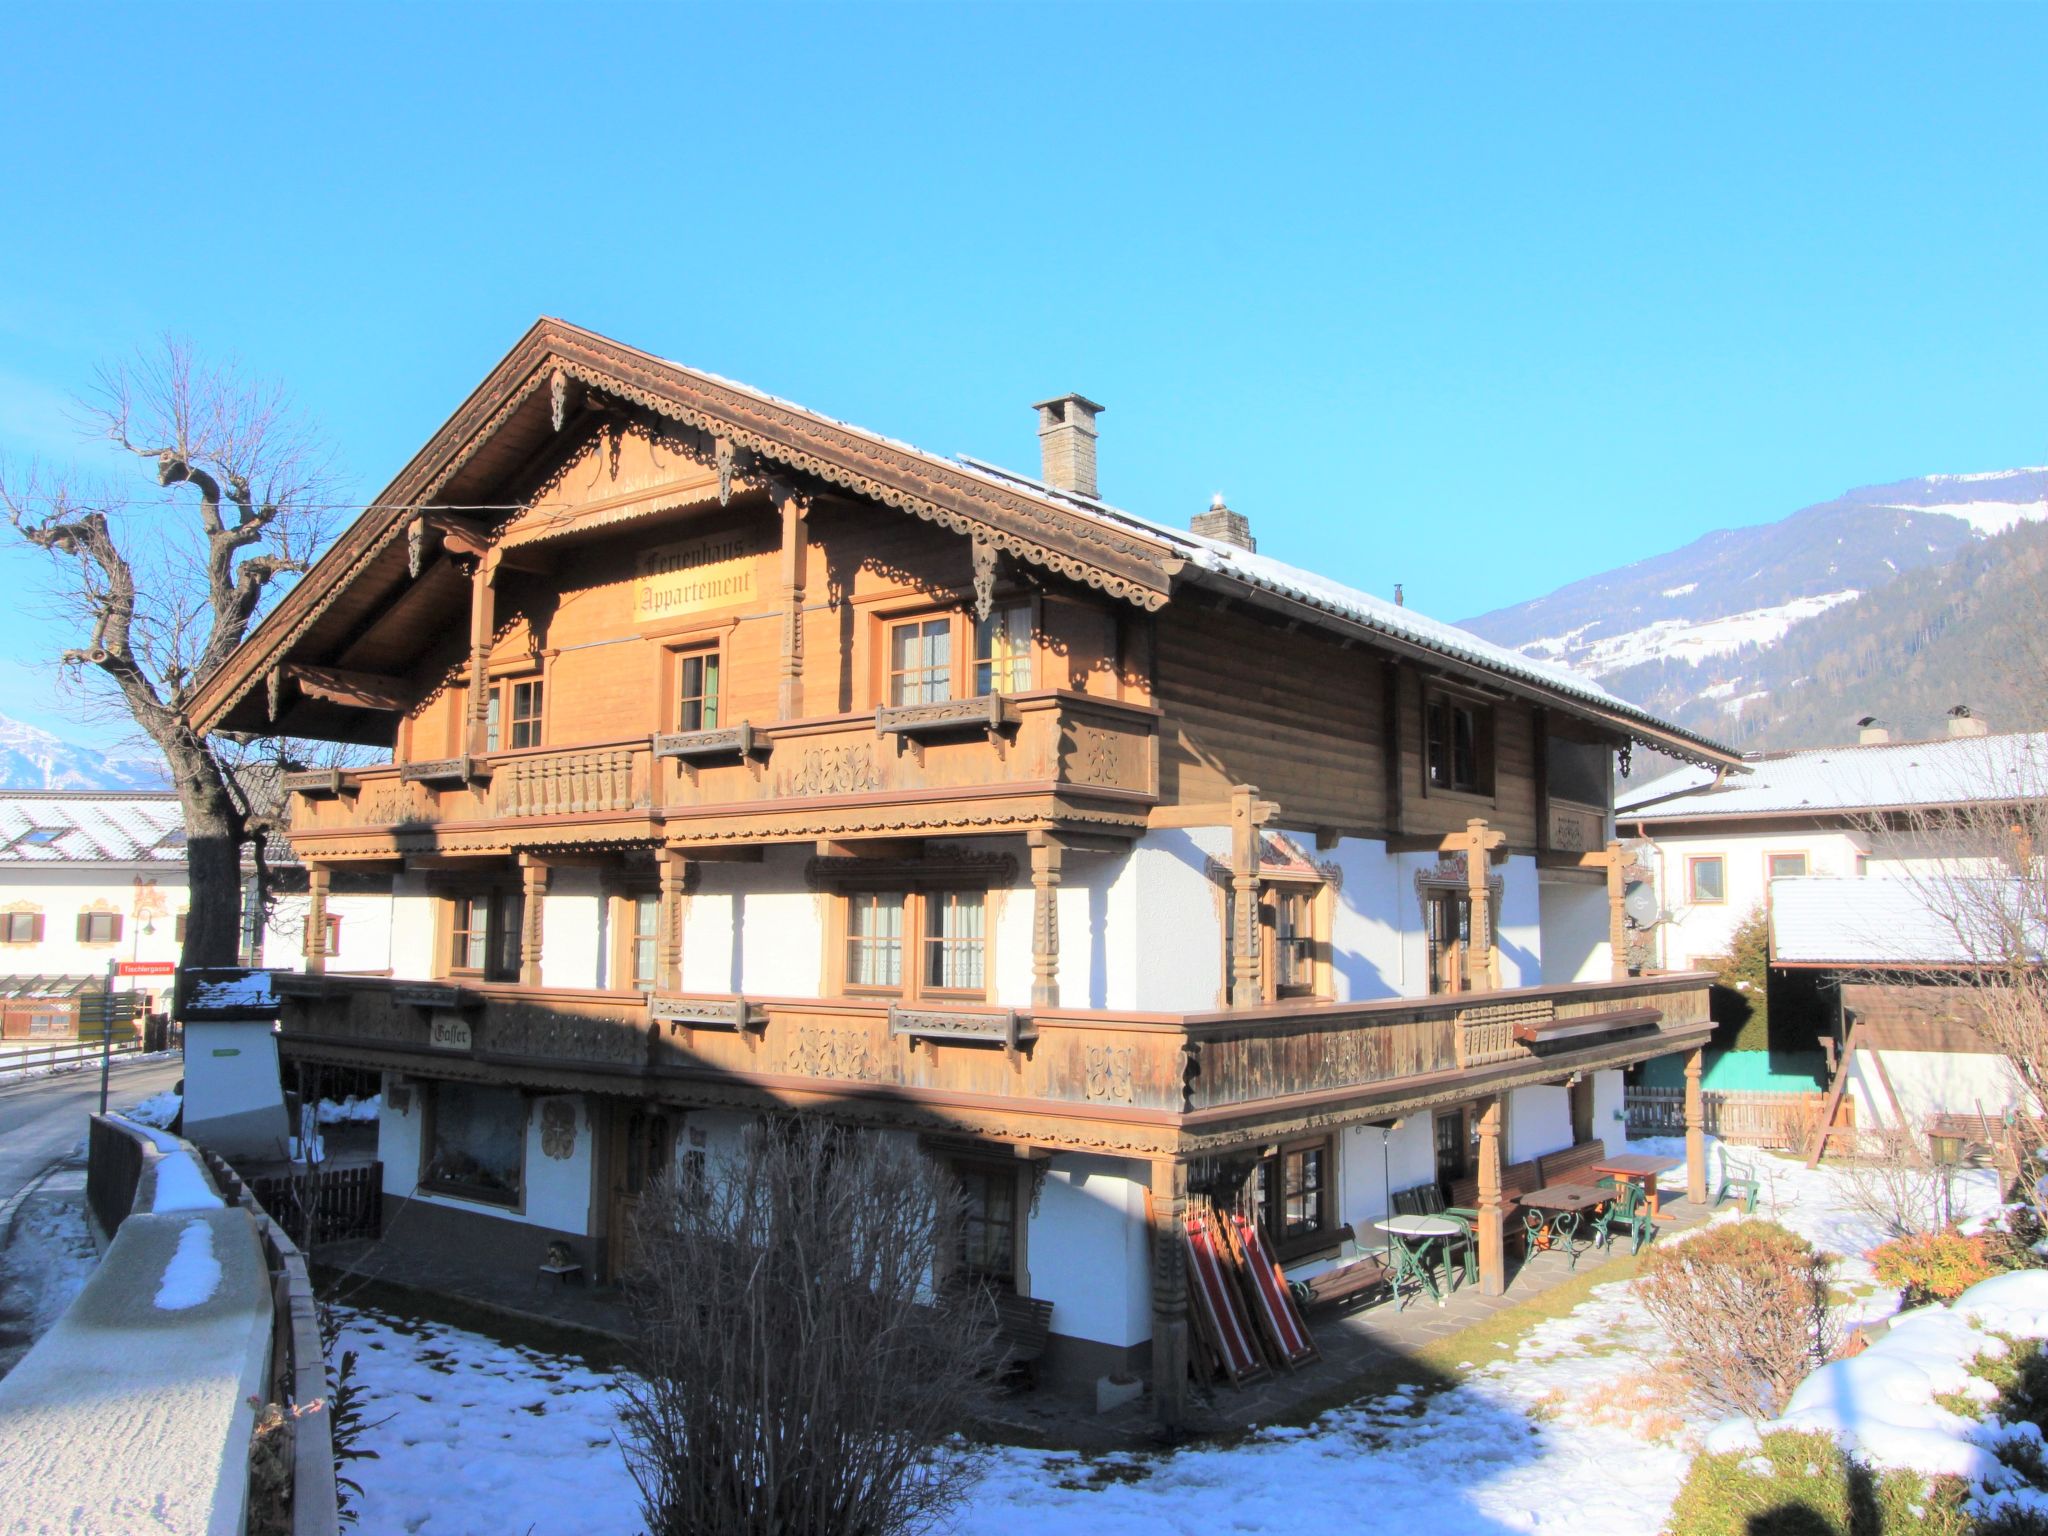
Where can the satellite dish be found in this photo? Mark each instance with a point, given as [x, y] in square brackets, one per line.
[1639, 901]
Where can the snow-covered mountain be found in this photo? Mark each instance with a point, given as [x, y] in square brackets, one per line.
[32, 758]
[1698, 634]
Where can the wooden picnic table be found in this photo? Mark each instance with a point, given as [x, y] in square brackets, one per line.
[1640, 1166]
[1555, 1216]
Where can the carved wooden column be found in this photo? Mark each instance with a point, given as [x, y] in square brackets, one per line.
[1493, 1248]
[316, 918]
[1169, 1291]
[668, 944]
[1245, 991]
[1617, 921]
[1478, 866]
[1695, 1131]
[533, 877]
[795, 507]
[1048, 855]
[483, 624]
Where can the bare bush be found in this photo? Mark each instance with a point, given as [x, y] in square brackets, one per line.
[1746, 1305]
[1898, 1185]
[796, 1370]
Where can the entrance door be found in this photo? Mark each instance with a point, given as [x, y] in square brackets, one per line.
[643, 1147]
[1449, 921]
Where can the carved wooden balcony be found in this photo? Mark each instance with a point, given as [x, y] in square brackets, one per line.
[1573, 828]
[1055, 754]
[1143, 1082]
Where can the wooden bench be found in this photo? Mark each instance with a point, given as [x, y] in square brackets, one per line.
[1024, 1326]
[1575, 1164]
[1367, 1276]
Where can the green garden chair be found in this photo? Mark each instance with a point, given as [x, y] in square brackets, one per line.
[1628, 1211]
[1737, 1179]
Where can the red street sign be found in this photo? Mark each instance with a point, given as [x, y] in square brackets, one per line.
[145, 968]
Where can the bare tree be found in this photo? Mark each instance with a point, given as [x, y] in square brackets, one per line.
[163, 586]
[796, 1368]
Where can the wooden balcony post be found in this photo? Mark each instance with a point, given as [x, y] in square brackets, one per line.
[1168, 1207]
[1695, 1130]
[482, 630]
[533, 877]
[795, 508]
[315, 946]
[668, 943]
[1245, 991]
[1493, 1265]
[1617, 922]
[1479, 846]
[1048, 855]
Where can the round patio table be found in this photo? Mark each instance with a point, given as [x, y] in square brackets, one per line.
[1413, 1236]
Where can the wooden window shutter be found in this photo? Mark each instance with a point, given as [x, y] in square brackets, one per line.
[117, 920]
[84, 926]
[35, 930]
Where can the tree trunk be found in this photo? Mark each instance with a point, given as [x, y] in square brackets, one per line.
[213, 858]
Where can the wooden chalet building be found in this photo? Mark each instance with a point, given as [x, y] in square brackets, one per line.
[747, 762]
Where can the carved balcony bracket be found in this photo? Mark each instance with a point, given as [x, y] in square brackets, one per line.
[318, 781]
[434, 995]
[993, 714]
[1012, 1032]
[677, 1016]
[983, 553]
[446, 770]
[690, 748]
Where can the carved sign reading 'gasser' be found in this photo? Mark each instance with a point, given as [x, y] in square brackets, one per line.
[704, 573]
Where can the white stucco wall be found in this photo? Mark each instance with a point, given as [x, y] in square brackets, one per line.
[234, 1097]
[557, 1190]
[1364, 1171]
[1085, 1248]
[1574, 932]
[755, 928]
[1539, 1121]
[1177, 939]
[1932, 1083]
[1368, 959]
[147, 900]
[414, 915]
[1610, 1114]
[573, 924]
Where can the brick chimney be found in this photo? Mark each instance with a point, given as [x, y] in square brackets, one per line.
[1066, 442]
[1871, 731]
[1962, 723]
[1223, 525]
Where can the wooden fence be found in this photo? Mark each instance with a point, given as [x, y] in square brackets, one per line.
[1752, 1119]
[341, 1200]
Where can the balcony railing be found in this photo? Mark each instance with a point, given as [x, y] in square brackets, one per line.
[1059, 742]
[1207, 1067]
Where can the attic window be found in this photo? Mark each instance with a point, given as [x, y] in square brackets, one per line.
[39, 837]
[175, 838]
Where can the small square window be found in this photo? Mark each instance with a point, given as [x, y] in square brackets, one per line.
[1002, 651]
[1707, 879]
[526, 699]
[697, 706]
[921, 661]
[1782, 865]
[99, 927]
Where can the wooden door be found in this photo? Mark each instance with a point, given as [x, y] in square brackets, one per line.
[642, 1149]
[1448, 916]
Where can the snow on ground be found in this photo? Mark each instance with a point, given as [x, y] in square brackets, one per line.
[43, 1267]
[1579, 1428]
[351, 1110]
[193, 1276]
[1985, 517]
[15, 1074]
[158, 1110]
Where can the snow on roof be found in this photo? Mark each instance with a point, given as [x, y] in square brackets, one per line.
[1222, 561]
[1868, 921]
[90, 829]
[1951, 770]
[1216, 558]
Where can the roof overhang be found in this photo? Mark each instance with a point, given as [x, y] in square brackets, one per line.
[511, 418]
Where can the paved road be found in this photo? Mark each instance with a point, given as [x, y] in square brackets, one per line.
[43, 1119]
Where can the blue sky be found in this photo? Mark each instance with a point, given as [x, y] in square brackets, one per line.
[1474, 299]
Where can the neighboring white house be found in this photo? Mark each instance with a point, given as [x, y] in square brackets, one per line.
[1716, 842]
[87, 879]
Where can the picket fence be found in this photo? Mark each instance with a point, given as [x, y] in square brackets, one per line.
[1753, 1118]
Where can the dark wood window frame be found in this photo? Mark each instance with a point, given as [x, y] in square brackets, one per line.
[630, 947]
[503, 912]
[1295, 942]
[1459, 733]
[504, 733]
[99, 928]
[699, 697]
[915, 940]
[971, 1242]
[1301, 1173]
[966, 652]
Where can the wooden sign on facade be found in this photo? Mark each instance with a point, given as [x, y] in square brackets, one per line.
[699, 573]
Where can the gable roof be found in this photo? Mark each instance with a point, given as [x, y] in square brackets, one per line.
[90, 829]
[1845, 781]
[515, 412]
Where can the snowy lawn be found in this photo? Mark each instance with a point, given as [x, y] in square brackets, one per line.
[1579, 1425]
